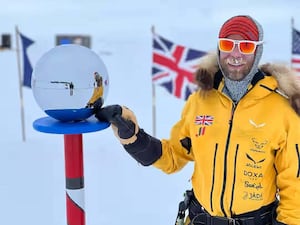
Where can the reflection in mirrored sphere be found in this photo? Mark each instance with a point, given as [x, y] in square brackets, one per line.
[68, 80]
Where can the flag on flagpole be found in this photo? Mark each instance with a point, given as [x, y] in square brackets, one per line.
[27, 68]
[25, 78]
[295, 50]
[173, 66]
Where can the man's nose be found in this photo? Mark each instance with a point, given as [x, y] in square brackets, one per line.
[236, 52]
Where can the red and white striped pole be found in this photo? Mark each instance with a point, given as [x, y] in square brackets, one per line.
[73, 160]
[74, 179]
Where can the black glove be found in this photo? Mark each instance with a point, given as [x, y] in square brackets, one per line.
[98, 104]
[140, 145]
[126, 128]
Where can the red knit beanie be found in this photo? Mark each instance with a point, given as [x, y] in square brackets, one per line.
[242, 25]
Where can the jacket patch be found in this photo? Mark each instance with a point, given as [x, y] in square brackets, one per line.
[258, 146]
[256, 164]
[256, 125]
[204, 121]
[253, 175]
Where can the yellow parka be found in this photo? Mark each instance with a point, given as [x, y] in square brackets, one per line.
[244, 155]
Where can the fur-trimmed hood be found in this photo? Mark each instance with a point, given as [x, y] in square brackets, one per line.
[288, 85]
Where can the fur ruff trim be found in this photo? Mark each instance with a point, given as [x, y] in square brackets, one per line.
[288, 84]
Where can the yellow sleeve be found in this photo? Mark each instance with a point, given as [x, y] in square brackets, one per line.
[174, 155]
[287, 164]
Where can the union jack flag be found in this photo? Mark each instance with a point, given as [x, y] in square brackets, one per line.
[173, 66]
[204, 120]
[296, 50]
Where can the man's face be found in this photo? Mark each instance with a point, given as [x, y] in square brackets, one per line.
[236, 65]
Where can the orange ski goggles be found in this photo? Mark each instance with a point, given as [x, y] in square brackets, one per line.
[245, 46]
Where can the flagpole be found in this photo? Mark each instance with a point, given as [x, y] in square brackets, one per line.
[292, 26]
[153, 99]
[20, 84]
[153, 111]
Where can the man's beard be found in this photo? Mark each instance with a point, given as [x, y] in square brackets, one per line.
[238, 73]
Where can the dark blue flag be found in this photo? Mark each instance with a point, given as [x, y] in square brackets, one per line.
[27, 68]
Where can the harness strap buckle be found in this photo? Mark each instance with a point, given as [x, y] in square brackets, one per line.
[217, 220]
[205, 218]
[232, 221]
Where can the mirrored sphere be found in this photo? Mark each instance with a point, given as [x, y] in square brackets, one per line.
[67, 81]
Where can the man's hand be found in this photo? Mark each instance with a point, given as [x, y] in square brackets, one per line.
[123, 122]
[141, 146]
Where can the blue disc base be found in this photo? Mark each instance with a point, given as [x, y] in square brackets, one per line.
[54, 126]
